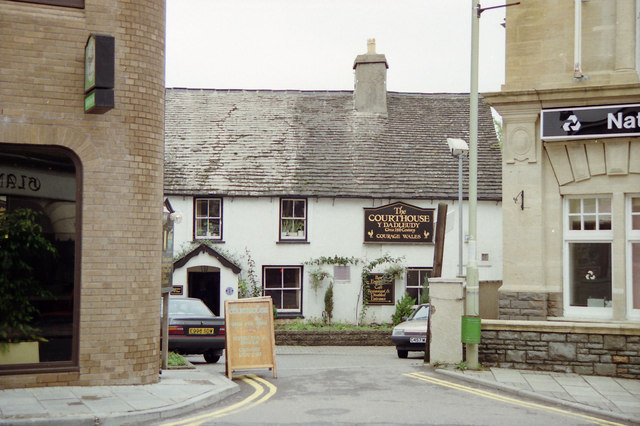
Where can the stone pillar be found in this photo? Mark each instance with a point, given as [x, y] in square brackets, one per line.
[625, 35]
[522, 200]
[447, 300]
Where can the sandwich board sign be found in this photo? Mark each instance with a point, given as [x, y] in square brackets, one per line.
[250, 338]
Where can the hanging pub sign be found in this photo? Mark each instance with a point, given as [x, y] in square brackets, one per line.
[590, 122]
[99, 70]
[398, 223]
[378, 291]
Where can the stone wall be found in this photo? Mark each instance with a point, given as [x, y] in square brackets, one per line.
[531, 306]
[582, 348]
[333, 337]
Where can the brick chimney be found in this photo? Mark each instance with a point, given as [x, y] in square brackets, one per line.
[370, 94]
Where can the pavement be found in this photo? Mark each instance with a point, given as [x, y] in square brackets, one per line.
[180, 391]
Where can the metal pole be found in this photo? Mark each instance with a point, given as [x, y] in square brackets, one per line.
[460, 216]
[472, 263]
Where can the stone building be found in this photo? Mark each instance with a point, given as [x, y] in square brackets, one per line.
[93, 178]
[571, 163]
[275, 190]
[570, 299]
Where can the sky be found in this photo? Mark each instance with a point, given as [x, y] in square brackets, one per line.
[312, 44]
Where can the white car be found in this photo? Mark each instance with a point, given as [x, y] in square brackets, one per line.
[411, 335]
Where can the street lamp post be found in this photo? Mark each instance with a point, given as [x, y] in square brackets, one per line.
[471, 307]
[459, 149]
[471, 321]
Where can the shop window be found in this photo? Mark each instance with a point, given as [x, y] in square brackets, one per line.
[293, 219]
[39, 281]
[208, 218]
[588, 249]
[416, 278]
[284, 285]
[633, 262]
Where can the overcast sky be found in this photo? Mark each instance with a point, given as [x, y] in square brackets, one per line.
[311, 44]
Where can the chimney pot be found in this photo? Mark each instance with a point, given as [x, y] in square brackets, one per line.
[371, 45]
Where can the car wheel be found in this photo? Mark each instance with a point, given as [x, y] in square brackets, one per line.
[402, 354]
[211, 357]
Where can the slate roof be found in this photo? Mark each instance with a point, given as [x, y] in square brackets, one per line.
[312, 143]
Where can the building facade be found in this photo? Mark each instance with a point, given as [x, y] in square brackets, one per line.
[81, 148]
[291, 193]
[571, 161]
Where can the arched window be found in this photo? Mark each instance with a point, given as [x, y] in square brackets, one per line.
[39, 255]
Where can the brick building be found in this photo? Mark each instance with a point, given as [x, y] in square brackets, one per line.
[95, 181]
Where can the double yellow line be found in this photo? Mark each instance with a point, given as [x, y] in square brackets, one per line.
[259, 385]
[506, 399]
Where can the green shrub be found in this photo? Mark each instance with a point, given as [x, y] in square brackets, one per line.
[328, 303]
[404, 307]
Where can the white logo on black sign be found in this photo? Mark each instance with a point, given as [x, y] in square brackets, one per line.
[571, 124]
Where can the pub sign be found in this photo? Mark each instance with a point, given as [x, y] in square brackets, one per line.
[380, 291]
[398, 223]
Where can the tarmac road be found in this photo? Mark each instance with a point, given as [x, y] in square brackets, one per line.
[370, 385]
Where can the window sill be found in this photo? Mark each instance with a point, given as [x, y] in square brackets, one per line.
[213, 241]
[293, 242]
[289, 315]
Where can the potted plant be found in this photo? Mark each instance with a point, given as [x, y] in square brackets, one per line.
[287, 226]
[22, 247]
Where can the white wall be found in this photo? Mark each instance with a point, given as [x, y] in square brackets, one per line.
[335, 227]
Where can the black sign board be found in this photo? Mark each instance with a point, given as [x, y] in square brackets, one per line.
[398, 223]
[379, 292]
[99, 71]
[590, 122]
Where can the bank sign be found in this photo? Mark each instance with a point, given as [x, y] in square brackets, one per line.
[398, 223]
[607, 121]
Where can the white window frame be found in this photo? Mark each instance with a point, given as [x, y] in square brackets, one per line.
[584, 236]
[293, 234]
[208, 236]
[282, 288]
[633, 237]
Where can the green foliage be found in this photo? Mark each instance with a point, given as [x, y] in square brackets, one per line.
[462, 366]
[424, 295]
[22, 247]
[175, 360]
[497, 124]
[403, 308]
[249, 287]
[317, 276]
[316, 324]
[328, 304]
[335, 260]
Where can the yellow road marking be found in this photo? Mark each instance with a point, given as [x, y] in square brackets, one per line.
[506, 399]
[245, 404]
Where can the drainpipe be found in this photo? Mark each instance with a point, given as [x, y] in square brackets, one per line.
[577, 43]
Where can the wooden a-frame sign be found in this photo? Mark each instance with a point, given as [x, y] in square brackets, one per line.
[250, 337]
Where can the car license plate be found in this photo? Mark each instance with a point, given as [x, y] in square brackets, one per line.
[417, 340]
[206, 330]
